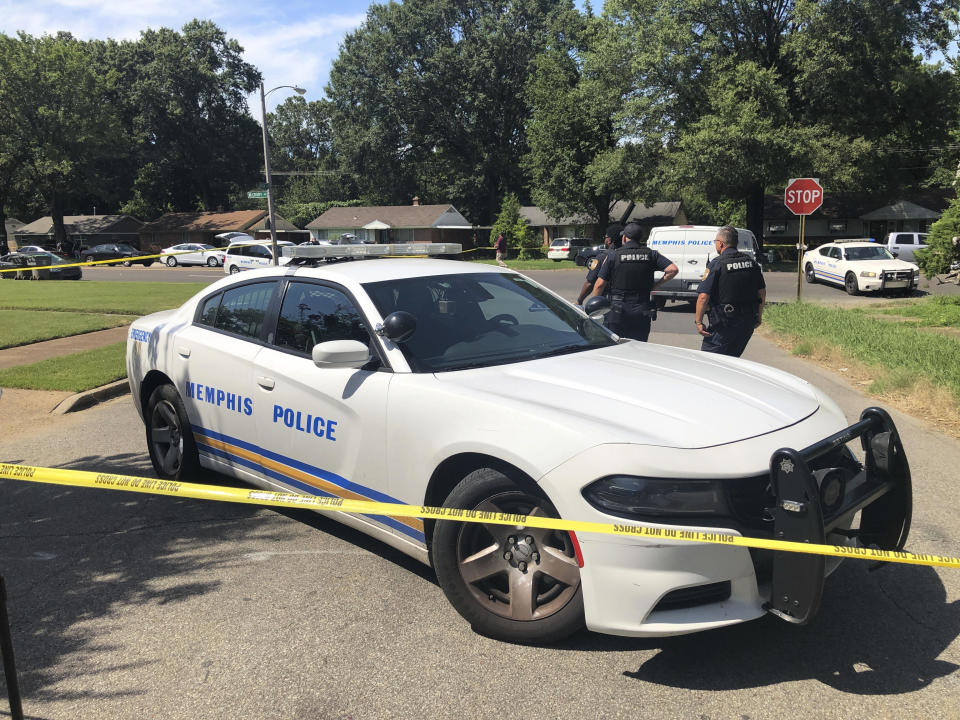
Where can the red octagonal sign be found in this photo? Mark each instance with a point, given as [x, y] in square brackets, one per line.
[803, 196]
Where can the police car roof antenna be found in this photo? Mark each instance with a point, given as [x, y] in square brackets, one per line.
[6, 649]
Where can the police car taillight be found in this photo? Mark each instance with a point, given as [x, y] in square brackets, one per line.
[392, 250]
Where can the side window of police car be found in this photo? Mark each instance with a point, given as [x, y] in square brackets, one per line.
[313, 314]
[239, 310]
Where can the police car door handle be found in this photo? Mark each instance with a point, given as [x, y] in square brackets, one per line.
[183, 351]
[265, 382]
[692, 262]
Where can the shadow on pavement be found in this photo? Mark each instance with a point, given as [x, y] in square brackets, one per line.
[876, 634]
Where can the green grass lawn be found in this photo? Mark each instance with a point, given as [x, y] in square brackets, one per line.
[898, 349]
[22, 327]
[74, 373]
[938, 311]
[124, 298]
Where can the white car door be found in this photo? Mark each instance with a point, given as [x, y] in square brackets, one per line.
[323, 430]
[215, 378]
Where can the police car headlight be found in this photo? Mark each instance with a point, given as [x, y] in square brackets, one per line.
[867, 273]
[916, 272]
[630, 496]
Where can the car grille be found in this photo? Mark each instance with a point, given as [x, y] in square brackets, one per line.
[897, 274]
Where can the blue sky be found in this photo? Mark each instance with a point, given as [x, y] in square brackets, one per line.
[291, 42]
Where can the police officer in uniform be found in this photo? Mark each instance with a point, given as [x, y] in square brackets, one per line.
[735, 291]
[611, 241]
[629, 276]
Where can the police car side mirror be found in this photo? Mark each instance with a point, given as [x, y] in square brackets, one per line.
[597, 306]
[398, 326]
[340, 354]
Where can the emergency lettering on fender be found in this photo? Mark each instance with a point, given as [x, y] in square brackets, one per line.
[220, 398]
[305, 422]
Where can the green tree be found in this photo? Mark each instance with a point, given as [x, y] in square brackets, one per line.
[829, 88]
[427, 99]
[182, 97]
[515, 228]
[576, 164]
[66, 130]
[940, 251]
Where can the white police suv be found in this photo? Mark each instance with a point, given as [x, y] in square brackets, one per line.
[434, 382]
[859, 266]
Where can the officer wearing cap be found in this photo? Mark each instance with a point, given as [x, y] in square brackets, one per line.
[735, 291]
[611, 241]
[629, 276]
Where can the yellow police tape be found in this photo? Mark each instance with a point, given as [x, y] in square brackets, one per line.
[109, 481]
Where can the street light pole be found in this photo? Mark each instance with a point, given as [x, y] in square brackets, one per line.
[266, 165]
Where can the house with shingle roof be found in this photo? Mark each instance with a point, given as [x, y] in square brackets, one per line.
[853, 215]
[87, 230]
[395, 224]
[647, 214]
[203, 227]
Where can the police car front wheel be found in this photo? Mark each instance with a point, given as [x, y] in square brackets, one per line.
[510, 582]
[809, 274]
[170, 442]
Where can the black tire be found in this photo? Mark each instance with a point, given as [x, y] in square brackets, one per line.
[171, 261]
[850, 284]
[548, 608]
[147, 263]
[234, 269]
[809, 275]
[212, 262]
[173, 451]
[127, 263]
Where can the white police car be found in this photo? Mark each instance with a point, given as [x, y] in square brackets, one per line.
[859, 266]
[443, 383]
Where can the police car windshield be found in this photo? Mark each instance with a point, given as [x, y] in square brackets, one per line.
[483, 319]
[868, 253]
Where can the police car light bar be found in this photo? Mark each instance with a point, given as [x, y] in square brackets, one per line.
[340, 251]
[851, 240]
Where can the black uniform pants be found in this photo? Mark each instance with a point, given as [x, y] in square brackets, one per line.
[731, 338]
[629, 319]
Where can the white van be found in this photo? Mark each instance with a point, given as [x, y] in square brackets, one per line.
[690, 248]
[244, 256]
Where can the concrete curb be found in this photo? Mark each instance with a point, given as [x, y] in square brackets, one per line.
[89, 398]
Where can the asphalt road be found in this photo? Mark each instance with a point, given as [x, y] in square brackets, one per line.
[128, 606]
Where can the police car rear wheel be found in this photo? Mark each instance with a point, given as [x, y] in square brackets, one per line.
[234, 269]
[171, 261]
[212, 262]
[173, 451]
[510, 582]
[809, 275]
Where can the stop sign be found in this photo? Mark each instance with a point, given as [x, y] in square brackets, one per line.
[803, 196]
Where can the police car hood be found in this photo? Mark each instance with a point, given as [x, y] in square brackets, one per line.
[878, 265]
[645, 393]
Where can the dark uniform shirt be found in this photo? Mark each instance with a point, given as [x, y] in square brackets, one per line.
[635, 265]
[737, 284]
[595, 263]
[733, 283]
[629, 277]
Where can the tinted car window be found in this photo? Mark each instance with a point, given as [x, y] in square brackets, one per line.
[258, 251]
[312, 314]
[242, 309]
[208, 314]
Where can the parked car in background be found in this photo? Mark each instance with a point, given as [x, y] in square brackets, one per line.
[32, 249]
[859, 266]
[241, 256]
[564, 248]
[27, 264]
[115, 251]
[904, 244]
[192, 254]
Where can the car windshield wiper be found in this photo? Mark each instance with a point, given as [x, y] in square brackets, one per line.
[564, 350]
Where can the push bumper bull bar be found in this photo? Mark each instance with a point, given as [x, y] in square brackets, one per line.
[813, 504]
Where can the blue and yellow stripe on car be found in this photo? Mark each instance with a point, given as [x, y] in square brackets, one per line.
[300, 475]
